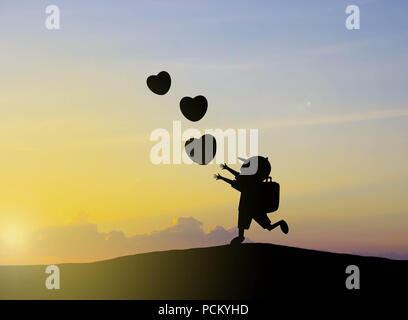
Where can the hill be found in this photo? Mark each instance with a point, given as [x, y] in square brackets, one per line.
[251, 271]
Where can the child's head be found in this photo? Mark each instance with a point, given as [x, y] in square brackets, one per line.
[258, 167]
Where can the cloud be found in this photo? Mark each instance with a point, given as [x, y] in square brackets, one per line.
[336, 119]
[80, 241]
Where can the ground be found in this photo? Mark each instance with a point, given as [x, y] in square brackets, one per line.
[249, 271]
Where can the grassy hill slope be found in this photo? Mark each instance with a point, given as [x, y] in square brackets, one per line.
[251, 271]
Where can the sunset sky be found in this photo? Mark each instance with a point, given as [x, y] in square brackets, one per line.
[330, 104]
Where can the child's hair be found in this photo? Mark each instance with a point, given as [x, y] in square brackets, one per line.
[263, 167]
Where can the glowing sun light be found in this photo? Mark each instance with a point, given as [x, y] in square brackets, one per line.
[12, 236]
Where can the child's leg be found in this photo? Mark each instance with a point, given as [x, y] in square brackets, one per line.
[241, 232]
[244, 221]
[282, 224]
[262, 220]
[265, 223]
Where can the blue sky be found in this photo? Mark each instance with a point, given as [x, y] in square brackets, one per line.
[330, 104]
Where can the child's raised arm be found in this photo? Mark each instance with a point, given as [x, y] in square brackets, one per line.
[233, 183]
[220, 177]
[224, 166]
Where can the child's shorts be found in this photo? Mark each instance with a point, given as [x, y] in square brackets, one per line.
[245, 219]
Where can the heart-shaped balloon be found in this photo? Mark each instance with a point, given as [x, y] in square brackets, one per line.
[202, 150]
[159, 84]
[194, 109]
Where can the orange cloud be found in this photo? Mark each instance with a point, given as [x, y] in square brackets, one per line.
[80, 241]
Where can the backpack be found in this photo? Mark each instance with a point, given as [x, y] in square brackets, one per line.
[270, 195]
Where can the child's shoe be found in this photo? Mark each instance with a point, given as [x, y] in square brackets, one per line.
[284, 226]
[238, 240]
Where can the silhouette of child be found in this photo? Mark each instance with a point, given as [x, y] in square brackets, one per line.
[250, 203]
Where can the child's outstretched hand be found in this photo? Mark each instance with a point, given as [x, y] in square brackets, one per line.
[223, 166]
[217, 176]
